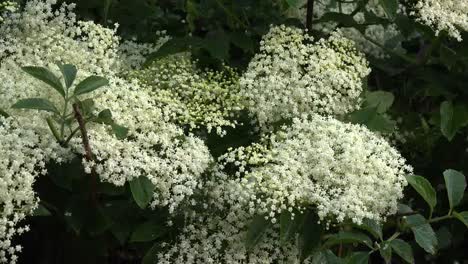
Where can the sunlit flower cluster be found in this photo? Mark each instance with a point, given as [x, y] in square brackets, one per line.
[193, 97]
[344, 170]
[292, 75]
[450, 16]
[44, 34]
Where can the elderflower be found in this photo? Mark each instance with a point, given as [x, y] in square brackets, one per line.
[450, 16]
[293, 75]
[43, 34]
[7, 6]
[343, 170]
[22, 160]
[192, 97]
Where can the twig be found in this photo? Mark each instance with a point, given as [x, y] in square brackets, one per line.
[84, 132]
[87, 147]
[310, 15]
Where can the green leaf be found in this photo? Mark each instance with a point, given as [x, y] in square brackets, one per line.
[46, 76]
[452, 118]
[148, 231]
[120, 132]
[462, 216]
[255, 231]
[372, 227]
[444, 237]
[173, 46]
[142, 191]
[326, 257]
[402, 249]
[41, 210]
[90, 84]
[151, 256]
[390, 7]
[289, 226]
[69, 73]
[217, 44]
[385, 251]
[456, 185]
[347, 237]
[423, 233]
[36, 104]
[371, 118]
[424, 188]
[358, 258]
[241, 40]
[309, 238]
[293, 3]
[3, 113]
[381, 100]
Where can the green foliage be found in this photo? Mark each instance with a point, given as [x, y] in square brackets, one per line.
[142, 191]
[417, 92]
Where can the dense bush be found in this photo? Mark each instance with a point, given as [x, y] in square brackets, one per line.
[248, 131]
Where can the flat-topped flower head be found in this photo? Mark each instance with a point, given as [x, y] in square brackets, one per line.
[343, 170]
[292, 76]
[193, 97]
[450, 16]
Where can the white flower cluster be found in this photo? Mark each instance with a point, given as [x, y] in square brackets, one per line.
[450, 16]
[154, 148]
[193, 97]
[7, 6]
[342, 171]
[41, 35]
[23, 158]
[217, 233]
[293, 75]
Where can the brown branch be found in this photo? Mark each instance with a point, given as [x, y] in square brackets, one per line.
[87, 147]
[84, 132]
[310, 15]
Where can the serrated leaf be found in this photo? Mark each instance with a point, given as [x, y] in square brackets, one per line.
[142, 191]
[255, 231]
[452, 118]
[151, 256]
[69, 74]
[423, 233]
[217, 44]
[325, 257]
[372, 227]
[385, 251]
[403, 249]
[36, 104]
[358, 258]
[41, 210]
[345, 237]
[173, 46]
[90, 84]
[148, 231]
[381, 100]
[390, 7]
[46, 76]
[293, 3]
[372, 119]
[462, 216]
[424, 188]
[456, 185]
